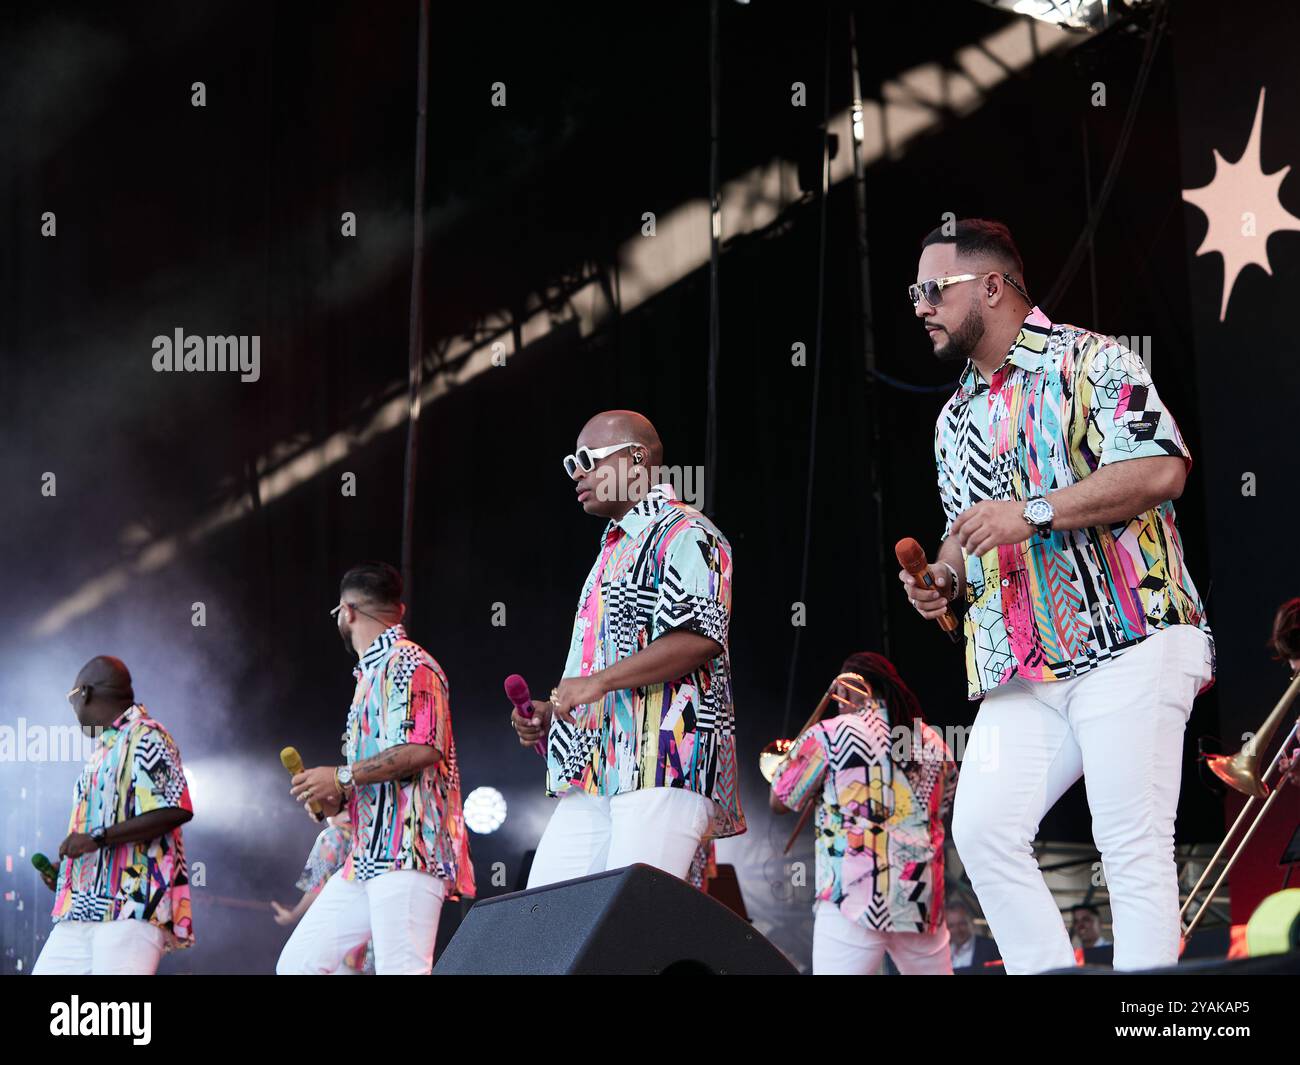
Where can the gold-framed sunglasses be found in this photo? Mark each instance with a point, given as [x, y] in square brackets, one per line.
[932, 289]
[335, 612]
[89, 688]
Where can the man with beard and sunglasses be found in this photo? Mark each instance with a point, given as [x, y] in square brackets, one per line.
[640, 733]
[1086, 638]
[401, 787]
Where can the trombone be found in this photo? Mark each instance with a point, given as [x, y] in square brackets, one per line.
[1241, 772]
[775, 752]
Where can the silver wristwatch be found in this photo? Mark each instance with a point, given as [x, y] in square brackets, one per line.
[1039, 514]
[344, 776]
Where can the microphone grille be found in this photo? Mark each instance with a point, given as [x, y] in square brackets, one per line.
[517, 689]
[909, 553]
[291, 759]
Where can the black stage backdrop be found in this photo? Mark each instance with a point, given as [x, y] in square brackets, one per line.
[1237, 97]
[184, 497]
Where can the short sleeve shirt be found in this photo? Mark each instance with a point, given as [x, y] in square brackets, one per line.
[662, 567]
[879, 843]
[136, 768]
[327, 856]
[1064, 403]
[402, 697]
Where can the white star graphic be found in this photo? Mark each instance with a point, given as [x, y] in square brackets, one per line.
[1243, 208]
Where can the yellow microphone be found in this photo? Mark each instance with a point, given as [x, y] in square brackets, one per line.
[292, 761]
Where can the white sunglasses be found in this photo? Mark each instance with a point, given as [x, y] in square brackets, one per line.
[586, 457]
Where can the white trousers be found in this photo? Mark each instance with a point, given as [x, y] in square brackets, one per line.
[101, 948]
[1121, 727]
[588, 834]
[398, 910]
[844, 948]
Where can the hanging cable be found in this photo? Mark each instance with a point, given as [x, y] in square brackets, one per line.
[867, 337]
[1081, 245]
[906, 386]
[715, 235]
[415, 339]
[817, 367]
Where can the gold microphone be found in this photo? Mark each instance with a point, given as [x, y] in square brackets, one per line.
[292, 761]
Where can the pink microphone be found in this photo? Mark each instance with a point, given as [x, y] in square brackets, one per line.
[517, 692]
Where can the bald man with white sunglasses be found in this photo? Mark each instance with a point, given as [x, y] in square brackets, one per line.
[639, 732]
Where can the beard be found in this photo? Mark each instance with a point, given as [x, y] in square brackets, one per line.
[346, 636]
[964, 339]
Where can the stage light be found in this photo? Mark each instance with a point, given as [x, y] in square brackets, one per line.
[229, 793]
[485, 810]
[1088, 15]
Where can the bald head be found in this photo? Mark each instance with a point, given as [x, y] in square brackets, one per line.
[617, 427]
[103, 690]
[619, 480]
[105, 671]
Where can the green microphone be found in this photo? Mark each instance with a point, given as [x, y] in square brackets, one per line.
[44, 867]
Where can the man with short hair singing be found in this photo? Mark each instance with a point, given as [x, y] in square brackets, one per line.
[1085, 636]
[401, 784]
[640, 731]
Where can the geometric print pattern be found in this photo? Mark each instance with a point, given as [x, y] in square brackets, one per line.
[402, 697]
[662, 567]
[1064, 403]
[327, 856]
[880, 834]
[136, 768]
[154, 760]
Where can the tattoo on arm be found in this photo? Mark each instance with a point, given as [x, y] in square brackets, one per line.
[396, 763]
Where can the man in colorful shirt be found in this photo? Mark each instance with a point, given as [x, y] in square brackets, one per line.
[401, 785]
[640, 731]
[883, 783]
[1085, 635]
[122, 897]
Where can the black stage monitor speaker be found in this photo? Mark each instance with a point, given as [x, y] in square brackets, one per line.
[636, 921]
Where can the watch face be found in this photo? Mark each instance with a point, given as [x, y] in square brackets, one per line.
[1039, 511]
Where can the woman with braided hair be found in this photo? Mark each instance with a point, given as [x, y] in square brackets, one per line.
[883, 782]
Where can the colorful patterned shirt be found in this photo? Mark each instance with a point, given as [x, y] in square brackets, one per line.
[1064, 403]
[135, 768]
[662, 567]
[402, 696]
[704, 866]
[327, 856]
[880, 833]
